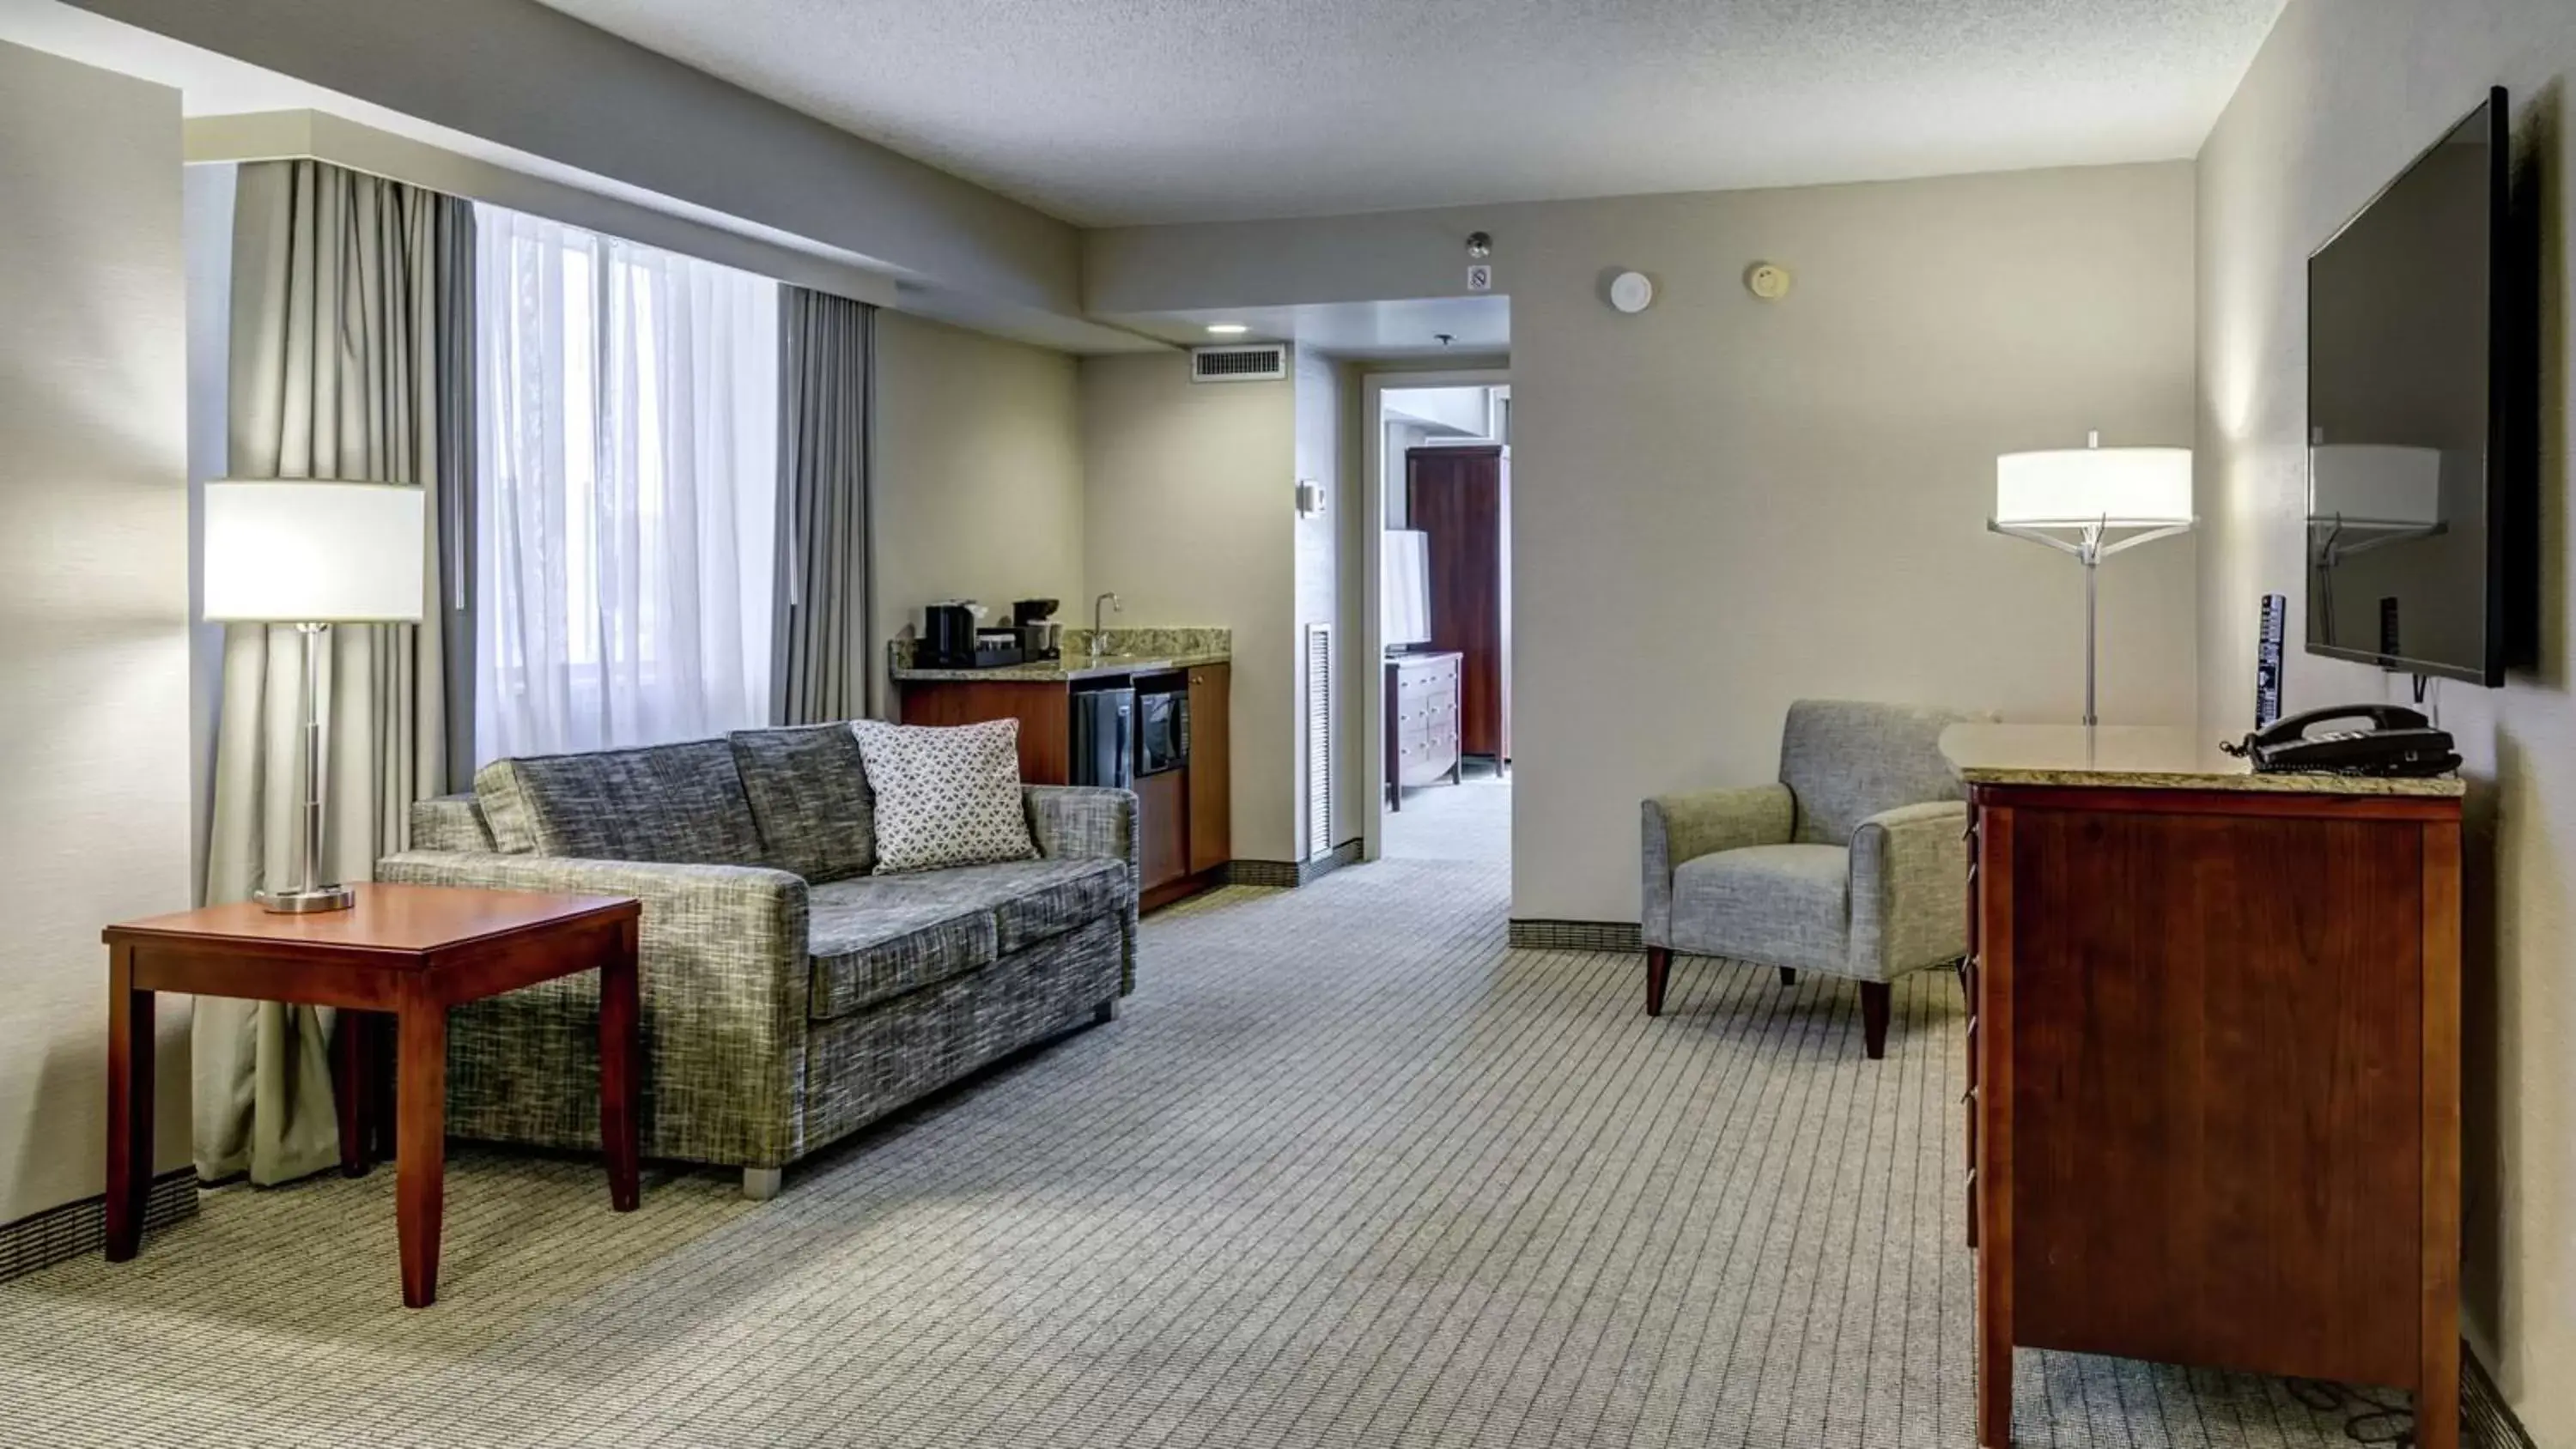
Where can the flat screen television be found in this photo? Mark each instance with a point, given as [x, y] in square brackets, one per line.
[2420, 473]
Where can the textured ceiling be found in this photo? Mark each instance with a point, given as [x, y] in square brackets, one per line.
[1117, 111]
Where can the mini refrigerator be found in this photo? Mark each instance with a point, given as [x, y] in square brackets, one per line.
[1104, 738]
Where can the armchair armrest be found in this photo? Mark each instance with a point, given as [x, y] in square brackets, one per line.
[726, 979]
[1685, 827]
[1909, 884]
[1078, 822]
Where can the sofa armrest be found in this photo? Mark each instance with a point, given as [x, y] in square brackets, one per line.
[726, 979]
[1089, 822]
[1082, 822]
[1909, 884]
[1685, 827]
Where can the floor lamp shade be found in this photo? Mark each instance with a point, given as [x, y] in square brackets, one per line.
[2103, 487]
[2093, 491]
[314, 552]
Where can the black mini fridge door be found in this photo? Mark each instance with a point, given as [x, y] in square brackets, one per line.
[1104, 737]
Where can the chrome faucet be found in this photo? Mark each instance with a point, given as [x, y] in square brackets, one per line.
[1100, 635]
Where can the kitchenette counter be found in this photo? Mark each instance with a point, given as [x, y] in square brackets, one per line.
[1150, 713]
[1128, 652]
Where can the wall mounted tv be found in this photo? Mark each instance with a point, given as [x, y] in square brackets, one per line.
[2422, 465]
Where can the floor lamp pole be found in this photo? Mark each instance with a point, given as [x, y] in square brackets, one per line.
[2092, 560]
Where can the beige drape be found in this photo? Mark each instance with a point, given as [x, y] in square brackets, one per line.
[343, 323]
[819, 666]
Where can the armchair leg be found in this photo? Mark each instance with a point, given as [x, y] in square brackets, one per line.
[1788, 975]
[1875, 999]
[1659, 964]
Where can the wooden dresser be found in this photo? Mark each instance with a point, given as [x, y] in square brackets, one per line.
[2214, 1085]
[1422, 721]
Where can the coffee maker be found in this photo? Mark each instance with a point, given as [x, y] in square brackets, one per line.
[948, 635]
[1041, 637]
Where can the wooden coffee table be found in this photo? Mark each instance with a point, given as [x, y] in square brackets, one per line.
[412, 951]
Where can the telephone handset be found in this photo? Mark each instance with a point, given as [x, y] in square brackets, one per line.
[2389, 739]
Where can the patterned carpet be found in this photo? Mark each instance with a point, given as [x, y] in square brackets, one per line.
[1349, 1172]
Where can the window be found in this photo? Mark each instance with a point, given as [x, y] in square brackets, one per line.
[627, 449]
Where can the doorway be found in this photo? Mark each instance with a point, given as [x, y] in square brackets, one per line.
[1439, 476]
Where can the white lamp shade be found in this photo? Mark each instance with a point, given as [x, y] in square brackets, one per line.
[314, 552]
[2376, 483]
[2071, 487]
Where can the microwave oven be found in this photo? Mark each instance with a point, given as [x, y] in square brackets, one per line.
[1162, 730]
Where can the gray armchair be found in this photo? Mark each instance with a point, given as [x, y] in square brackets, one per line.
[1854, 864]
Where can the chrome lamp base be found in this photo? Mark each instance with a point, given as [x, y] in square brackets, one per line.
[307, 899]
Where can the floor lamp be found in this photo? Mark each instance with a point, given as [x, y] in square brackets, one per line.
[2075, 499]
[313, 553]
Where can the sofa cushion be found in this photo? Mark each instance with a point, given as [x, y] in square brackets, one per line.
[673, 804]
[809, 795]
[877, 937]
[871, 943]
[946, 795]
[1778, 905]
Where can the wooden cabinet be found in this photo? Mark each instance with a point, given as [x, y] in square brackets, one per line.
[1184, 817]
[1461, 499]
[1423, 736]
[2214, 1084]
[1211, 772]
[1162, 829]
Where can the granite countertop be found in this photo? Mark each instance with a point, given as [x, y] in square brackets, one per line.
[1065, 670]
[2152, 757]
[1129, 651]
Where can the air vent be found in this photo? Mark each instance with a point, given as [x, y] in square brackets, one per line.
[1266, 362]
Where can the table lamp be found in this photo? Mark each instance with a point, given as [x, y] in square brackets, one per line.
[313, 553]
[2088, 493]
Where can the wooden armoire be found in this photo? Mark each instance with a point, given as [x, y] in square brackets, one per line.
[1462, 498]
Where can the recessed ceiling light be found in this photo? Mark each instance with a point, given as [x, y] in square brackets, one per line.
[1227, 329]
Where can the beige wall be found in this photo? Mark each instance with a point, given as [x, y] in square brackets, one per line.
[1722, 505]
[1324, 416]
[977, 487]
[93, 599]
[2341, 97]
[1189, 515]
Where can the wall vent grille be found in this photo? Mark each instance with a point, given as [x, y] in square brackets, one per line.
[1266, 362]
[1319, 740]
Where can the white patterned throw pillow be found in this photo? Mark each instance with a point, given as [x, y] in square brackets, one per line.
[947, 795]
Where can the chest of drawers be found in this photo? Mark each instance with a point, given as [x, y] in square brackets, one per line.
[1422, 717]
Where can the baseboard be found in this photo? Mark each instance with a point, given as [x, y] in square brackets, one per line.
[1287, 875]
[1269, 874]
[2486, 1420]
[1544, 935]
[59, 1234]
[1316, 868]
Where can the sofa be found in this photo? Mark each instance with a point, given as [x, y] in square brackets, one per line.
[790, 995]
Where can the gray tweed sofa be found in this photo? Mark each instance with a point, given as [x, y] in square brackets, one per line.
[790, 997]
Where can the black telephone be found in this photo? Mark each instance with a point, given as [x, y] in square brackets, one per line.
[2391, 740]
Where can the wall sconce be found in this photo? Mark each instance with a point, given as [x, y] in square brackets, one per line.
[1310, 498]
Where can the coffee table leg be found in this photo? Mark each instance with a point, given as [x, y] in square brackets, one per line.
[129, 1105]
[420, 1144]
[619, 1008]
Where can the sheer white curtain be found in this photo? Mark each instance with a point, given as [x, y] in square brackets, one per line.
[628, 443]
